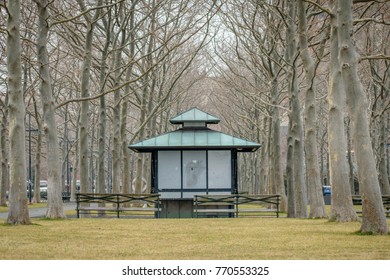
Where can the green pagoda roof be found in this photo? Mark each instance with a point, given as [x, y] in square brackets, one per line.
[194, 135]
[194, 139]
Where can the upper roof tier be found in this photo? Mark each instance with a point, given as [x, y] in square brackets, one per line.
[194, 116]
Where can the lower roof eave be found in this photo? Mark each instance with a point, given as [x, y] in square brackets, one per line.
[245, 149]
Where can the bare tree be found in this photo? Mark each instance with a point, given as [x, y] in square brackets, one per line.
[100, 182]
[54, 188]
[342, 208]
[252, 71]
[296, 125]
[316, 201]
[84, 120]
[374, 219]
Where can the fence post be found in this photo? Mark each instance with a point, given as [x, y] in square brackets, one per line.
[117, 206]
[78, 204]
[236, 202]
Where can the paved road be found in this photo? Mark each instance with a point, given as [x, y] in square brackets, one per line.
[41, 212]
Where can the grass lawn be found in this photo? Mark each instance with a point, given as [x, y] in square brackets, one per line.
[246, 238]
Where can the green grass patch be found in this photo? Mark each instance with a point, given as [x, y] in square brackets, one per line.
[246, 238]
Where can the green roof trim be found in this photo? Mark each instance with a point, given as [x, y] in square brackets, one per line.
[194, 115]
[194, 139]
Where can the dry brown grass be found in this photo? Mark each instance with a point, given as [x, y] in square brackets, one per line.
[246, 238]
[4, 209]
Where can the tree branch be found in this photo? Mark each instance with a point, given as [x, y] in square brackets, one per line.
[85, 12]
[376, 56]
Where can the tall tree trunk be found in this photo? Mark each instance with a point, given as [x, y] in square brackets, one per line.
[54, 187]
[75, 164]
[101, 181]
[374, 219]
[317, 204]
[18, 211]
[145, 105]
[84, 112]
[139, 179]
[290, 174]
[384, 176]
[126, 178]
[277, 168]
[350, 158]
[264, 157]
[341, 205]
[37, 162]
[3, 156]
[126, 181]
[116, 143]
[92, 167]
[296, 125]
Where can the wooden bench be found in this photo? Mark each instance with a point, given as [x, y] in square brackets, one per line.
[65, 196]
[248, 205]
[236, 205]
[357, 200]
[92, 203]
[214, 205]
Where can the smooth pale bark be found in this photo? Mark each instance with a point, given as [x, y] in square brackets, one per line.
[374, 219]
[55, 208]
[317, 204]
[341, 204]
[18, 211]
